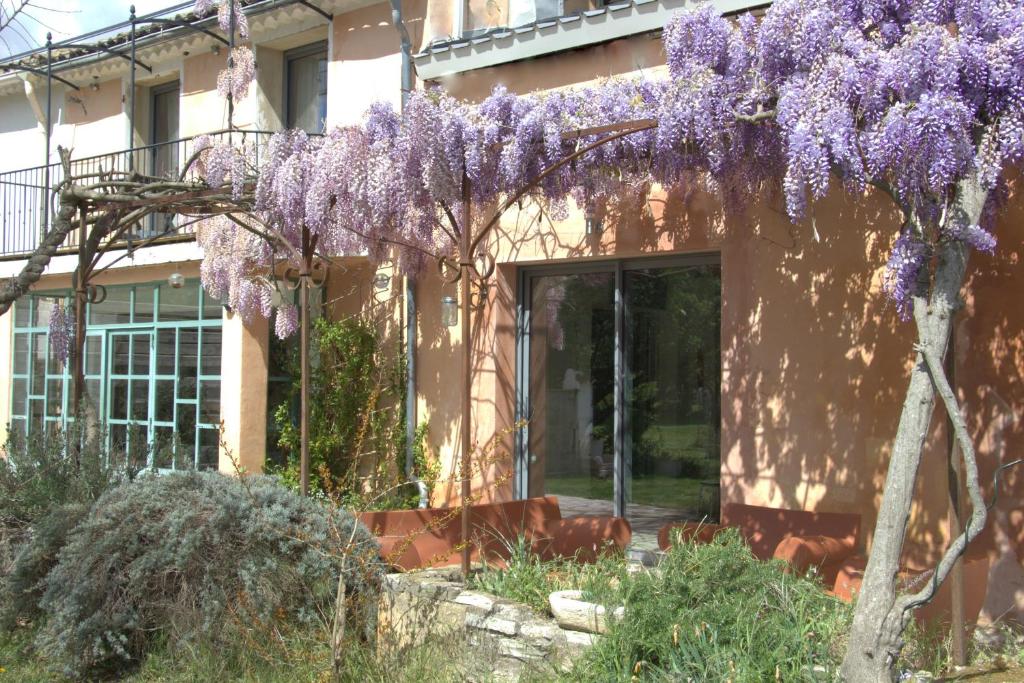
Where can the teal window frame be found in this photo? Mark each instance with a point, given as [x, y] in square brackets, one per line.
[201, 446]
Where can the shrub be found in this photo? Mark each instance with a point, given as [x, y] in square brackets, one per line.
[47, 471]
[36, 555]
[715, 612]
[195, 558]
[356, 420]
[46, 482]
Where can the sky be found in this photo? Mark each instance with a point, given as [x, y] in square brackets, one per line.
[67, 19]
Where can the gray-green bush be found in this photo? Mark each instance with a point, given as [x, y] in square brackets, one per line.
[36, 554]
[195, 557]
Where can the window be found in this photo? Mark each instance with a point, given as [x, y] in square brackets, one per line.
[306, 88]
[152, 370]
[482, 16]
[619, 379]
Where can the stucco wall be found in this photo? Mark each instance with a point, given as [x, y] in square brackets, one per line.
[94, 121]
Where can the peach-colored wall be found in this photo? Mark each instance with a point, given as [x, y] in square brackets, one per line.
[365, 63]
[814, 359]
[202, 108]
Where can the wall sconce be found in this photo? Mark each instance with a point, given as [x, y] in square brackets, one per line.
[381, 281]
[94, 86]
[449, 311]
[176, 280]
[215, 49]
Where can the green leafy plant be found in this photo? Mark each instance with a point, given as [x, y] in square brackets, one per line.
[714, 611]
[356, 425]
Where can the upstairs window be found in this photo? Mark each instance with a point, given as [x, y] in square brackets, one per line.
[484, 16]
[306, 88]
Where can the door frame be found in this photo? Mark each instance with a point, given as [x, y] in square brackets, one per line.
[524, 291]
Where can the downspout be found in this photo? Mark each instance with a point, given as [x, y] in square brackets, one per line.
[410, 289]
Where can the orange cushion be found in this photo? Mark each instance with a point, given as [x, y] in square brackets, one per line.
[584, 538]
[698, 532]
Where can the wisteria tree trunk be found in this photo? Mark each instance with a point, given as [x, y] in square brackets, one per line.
[881, 616]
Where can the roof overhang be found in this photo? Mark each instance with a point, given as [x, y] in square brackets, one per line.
[590, 27]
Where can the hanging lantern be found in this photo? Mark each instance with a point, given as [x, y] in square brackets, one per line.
[449, 311]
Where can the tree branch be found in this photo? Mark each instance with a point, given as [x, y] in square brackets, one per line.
[979, 511]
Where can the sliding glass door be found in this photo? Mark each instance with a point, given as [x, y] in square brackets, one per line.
[619, 382]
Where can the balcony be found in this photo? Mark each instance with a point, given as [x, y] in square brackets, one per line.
[24, 193]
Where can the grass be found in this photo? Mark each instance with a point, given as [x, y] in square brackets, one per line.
[299, 657]
[528, 580]
[679, 493]
[676, 440]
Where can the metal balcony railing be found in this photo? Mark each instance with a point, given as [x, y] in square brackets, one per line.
[26, 194]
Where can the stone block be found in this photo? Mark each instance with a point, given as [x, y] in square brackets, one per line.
[479, 602]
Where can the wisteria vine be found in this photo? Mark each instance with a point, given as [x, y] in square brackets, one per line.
[903, 95]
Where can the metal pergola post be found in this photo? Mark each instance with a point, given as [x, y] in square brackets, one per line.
[466, 271]
[49, 109]
[131, 97]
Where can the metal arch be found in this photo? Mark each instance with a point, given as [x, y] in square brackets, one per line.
[184, 24]
[40, 72]
[107, 50]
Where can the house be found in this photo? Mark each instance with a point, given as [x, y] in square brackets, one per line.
[667, 357]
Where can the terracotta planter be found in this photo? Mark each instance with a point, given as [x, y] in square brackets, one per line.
[575, 614]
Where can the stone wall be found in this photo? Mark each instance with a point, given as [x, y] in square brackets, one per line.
[497, 639]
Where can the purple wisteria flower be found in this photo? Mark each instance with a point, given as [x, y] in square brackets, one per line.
[904, 95]
[61, 332]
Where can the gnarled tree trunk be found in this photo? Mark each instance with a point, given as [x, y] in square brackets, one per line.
[881, 616]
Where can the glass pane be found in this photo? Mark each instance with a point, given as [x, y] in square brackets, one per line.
[116, 309]
[188, 362]
[22, 311]
[19, 397]
[93, 355]
[144, 304]
[307, 92]
[140, 354]
[209, 448]
[118, 439]
[179, 304]
[211, 307]
[21, 354]
[35, 414]
[211, 352]
[138, 444]
[140, 400]
[38, 363]
[92, 391]
[572, 339]
[672, 392]
[165, 352]
[164, 400]
[163, 447]
[54, 397]
[209, 404]
[43, 310]
[18, 428]
[185, 428]
[119, 350]
[119, 399]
